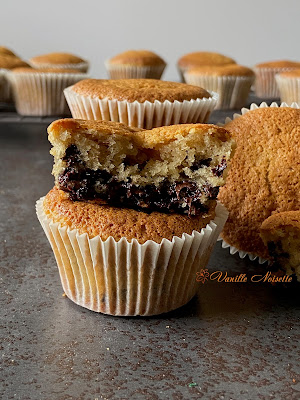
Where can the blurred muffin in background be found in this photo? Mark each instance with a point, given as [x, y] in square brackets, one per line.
[39, 92]
[288, 83]
[232, 82]
[59, 61]
[134, 64]
[6, 52]
[265, 84]
[200, 58]
[7, 63]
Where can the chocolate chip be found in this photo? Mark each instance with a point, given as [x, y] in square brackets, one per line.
[200, 163]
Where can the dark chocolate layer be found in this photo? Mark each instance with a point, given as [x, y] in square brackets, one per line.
[182, 197]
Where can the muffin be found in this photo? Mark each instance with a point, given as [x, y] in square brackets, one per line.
[265, 84]
[7, 63]
[133, 64]
[201, 58]
[130, 258]
[281, 234]
[288, 83]
[59, 61]
[232, 82]
[142, 103]
[6, 52]
[39, 92]
[264, 175]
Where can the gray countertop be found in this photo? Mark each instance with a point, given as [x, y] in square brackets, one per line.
[233, 341]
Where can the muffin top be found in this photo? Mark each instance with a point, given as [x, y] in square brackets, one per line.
[294, 73]
[279, 64]
[204, 58]
[6, 52]
[57, 58]
[138, 90]
[284, 220]
[29, 70]
[137, 57]
[264, 174]
[10, 62]
[221, 70]
[93, 218]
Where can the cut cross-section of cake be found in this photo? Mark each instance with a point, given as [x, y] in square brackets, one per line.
[176, 168]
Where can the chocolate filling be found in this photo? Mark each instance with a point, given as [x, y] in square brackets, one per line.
[182, 197]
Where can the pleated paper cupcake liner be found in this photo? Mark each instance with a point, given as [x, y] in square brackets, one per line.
[232, 90]
[5, 87]
[141, 115]
[42, 94]
[225, 245]
[134, 72]
[289, 89]
[265, 83]
[127, 278]
[81, 67]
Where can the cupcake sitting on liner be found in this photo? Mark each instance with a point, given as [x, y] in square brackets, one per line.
[136, 64]
[265, 84]
[133, 215]
[201, 58]
[232, 82]
[60, 61]
[7, 63]
[288, 83]
[39, 92]
[142, 103]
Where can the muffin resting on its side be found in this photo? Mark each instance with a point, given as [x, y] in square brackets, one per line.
[170, 169]
[136, 64]
[281, 234]
[59, 60]
[143, 103]
[264, 176]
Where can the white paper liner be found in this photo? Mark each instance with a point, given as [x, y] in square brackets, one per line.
[289, 88]
[41, 94]
[5, 87]
[265, 83]
[127, 278]
[141, 115]
[81, 67]
[253, 106]
[117, 71]
[232, 90]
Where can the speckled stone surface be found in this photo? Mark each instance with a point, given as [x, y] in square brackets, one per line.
[233, 341]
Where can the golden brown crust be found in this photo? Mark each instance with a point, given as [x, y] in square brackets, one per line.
[221, 70]
[287, 220]
[29, 70]
[57, 58]
[294, 73]
[6, 52]
[95, 219]
[264, 174]
[138, 58]
[138, 90]
[10, 62]
[279, 64]
[204, 58]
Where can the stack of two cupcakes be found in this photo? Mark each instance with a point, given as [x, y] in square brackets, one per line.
[133, 214]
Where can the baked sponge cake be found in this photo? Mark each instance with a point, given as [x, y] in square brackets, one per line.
[169, 169]
[281, 234]
[264, 175]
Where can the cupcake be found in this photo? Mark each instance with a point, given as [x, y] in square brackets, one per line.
[264, 175]
[133, 215]
[200, 58]
[288, 83]
[59, 61]
[8, 63]
[265, 84]
[232, 82]
[135, 64]
[142, 103]
[281, 234]
[40, 91]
